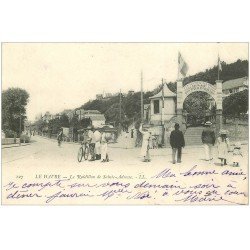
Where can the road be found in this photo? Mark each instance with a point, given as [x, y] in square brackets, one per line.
[43, 160]
[43, 152]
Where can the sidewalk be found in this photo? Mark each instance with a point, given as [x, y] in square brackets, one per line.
[15, 145]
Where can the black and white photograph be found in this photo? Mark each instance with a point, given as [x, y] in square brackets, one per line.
[125, 123]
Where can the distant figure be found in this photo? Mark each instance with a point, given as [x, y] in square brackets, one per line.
[154, 142]
[138, 140]
[59, 137]
[208, 140]
[104, 147]
[237, 154]
[132, 133]
[177, 142]
[126, 140]
[97, 136]
[145, 144]
[223, 147]
[92, 143]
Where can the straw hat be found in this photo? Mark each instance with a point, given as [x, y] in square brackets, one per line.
[208, 123]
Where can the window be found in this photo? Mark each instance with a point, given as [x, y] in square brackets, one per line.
[156, 107]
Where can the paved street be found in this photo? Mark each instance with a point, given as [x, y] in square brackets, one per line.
[45, 152]
[43, 157]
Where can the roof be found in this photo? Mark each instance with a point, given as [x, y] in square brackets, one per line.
[235, 83]
[167, 93]
[97, 117]
[91, 112]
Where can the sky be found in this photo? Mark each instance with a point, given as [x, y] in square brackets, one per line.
[61, 76]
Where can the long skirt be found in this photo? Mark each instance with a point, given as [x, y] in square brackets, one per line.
[104, 151]
[98, 148]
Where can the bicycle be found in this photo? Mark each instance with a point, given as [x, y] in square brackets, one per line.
[83, 151]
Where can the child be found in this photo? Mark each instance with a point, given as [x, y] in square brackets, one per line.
[237, 154]
[223, 147]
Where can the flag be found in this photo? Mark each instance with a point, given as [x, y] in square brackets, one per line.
[183, 67]
[219, 63]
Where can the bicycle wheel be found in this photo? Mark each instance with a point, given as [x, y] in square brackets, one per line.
[86, 153]
[80, 154]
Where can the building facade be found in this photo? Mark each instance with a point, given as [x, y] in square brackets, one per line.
[162, 107]
[234, 86]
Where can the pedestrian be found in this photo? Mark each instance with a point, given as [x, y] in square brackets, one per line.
[104, 147]
[145, 144]
[97, 136]
[59, 137]
[177, 142]
[237, 154]
[132, 133]
[92, 142]
[127, 140]
[208, 140]
[223, 147]
[154, 142]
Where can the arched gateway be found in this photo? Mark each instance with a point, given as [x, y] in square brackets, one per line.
[213, 90]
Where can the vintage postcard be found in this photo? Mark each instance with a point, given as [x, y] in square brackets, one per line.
[124, 123]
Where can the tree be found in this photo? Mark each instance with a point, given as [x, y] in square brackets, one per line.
[14, 102]
[236, 104]
[196, 103]
[64, 121]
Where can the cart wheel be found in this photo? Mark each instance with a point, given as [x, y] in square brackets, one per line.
[80, 154]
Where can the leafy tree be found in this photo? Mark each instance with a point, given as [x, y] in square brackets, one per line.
[74, 123]
[40, 125]
[14, 102]
[54, 125]
[196, 103]
[236, 104]
[84, 123]
[64, 121]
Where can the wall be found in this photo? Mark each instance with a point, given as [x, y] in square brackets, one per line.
[168, 111]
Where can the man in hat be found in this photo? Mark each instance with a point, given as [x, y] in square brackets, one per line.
[177, 142]
[208, 140]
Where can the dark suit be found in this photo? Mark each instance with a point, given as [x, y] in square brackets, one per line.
[177, 142]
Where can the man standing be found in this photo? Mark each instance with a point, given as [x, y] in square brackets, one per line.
[177, 142]
[59, 137]
[92, 143]
[98, 136]
[208, 140]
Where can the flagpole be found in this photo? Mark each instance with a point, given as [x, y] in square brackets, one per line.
[178, 67]
[219, 64]
[141, 96]
[218, 67]
[120, 107]
[162, 91]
